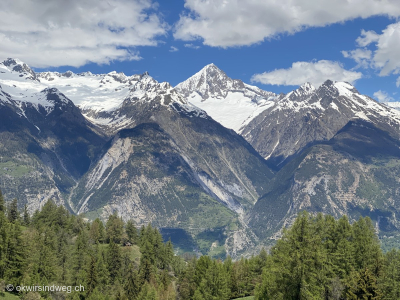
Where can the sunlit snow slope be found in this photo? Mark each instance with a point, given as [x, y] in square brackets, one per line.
[228, 101]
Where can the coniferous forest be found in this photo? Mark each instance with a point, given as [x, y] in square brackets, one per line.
[318, 257]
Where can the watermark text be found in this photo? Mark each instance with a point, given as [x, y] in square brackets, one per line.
[45, 288]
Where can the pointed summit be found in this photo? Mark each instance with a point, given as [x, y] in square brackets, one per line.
[209, 82]
[228, 101]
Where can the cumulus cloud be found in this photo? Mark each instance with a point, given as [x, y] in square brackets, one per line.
[367, 37]
[192, 46]
[361, 56]
[300, 72]
[54, 33]
[386, 56]
[382, 96]
[173, 49]
[227, 23]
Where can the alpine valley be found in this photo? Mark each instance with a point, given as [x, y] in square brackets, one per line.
[220, 166]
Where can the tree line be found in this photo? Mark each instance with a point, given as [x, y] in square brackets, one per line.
[318, 257]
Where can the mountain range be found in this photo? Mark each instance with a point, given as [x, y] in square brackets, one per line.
[220, 166]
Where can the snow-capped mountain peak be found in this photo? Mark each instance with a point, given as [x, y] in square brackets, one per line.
[17, 67]
[229, 101]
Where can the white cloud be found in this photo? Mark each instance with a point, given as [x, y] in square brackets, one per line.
[387, 54]
[315, 72]
[398, 82]
[382, 96]
[53, 33]
[367, 37]
[386, 57]
[173, 49]
[192, 46]
[227, 23]
[361, 56]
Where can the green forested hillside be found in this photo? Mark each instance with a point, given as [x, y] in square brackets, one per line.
[317, 258]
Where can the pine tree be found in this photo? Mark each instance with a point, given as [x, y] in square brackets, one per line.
[390, 280]
[80, 258]
[301, 261]
[115, 228]
[147, 262]
[131, 231]
[15, 255]
[214, 285]
[94, 232]
[132, 286]
[343, 255]
[92, 277]
[26, 217]
[367, 251]
[102, 270]
[187, 284]
[2, 203]
[114, 260]
[13, 211]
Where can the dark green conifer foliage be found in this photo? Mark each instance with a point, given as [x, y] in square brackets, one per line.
[92, 276]
[13, 213]
[187, 283]
[131, 232]
[390, 281]
[114, 260]
[94, 233]
[115, 228]
[15, 259]
[214, 285]
[367, 251]
[132, 284]
[80, 258]
[317, 258]
[364, 286]
[102, 270]
[2, 203]
[26, 217]
[147, 261]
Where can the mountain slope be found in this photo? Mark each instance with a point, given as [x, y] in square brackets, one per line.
[308, 115]
[46, 143]
[176, 167]
[228, 101]
[354, 174]
[166, 160]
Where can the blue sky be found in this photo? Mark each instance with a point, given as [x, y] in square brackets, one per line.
[276, 46]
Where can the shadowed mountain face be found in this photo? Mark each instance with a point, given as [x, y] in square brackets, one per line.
[45, 146]
[355, 173]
